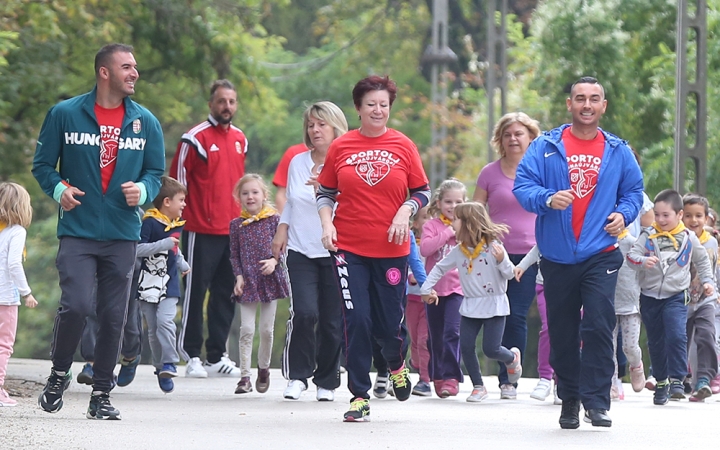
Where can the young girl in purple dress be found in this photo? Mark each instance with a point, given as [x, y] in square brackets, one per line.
[259, 280]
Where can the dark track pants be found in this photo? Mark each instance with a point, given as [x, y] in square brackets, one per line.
[314, 330]
[372, 291]
[590, 286]
[80, 262]
[209, 259]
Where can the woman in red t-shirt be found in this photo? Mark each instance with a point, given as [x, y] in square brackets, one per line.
[376, 177]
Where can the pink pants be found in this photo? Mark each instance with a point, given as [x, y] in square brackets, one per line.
[8, 327]
[544, 368]
[416, 321]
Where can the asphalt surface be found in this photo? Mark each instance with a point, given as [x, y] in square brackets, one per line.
[206, 414]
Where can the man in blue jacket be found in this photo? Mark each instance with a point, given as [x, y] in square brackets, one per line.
[585, 186]
[111, 155]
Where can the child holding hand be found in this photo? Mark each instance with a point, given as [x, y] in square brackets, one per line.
[484, 269]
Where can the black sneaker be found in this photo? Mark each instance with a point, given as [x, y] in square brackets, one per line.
[359, 411]
[51, 398]
[677, 390]
[660, 397]
[100, 407]
[401, 386]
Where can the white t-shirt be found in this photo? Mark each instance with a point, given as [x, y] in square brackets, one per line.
[13, 283]
[300, 212]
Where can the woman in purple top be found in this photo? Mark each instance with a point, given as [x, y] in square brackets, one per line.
[511, 138]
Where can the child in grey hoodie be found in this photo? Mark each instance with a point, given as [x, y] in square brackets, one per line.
[662, 255]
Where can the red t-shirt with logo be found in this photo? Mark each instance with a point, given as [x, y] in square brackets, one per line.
[110, 121]
[583, 158]
[373, 176]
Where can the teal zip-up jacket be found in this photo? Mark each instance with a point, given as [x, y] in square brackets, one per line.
[71, 135]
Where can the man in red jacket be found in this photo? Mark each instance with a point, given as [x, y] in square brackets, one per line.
[209, 160]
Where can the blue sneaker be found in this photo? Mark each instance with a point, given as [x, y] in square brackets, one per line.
[422, 389]
[127, 371]
[168, 371]
[86, 375]
[167, 385]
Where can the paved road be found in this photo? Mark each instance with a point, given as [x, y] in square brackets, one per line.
[206, 414]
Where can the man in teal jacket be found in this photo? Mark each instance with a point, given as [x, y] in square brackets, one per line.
[111, 155]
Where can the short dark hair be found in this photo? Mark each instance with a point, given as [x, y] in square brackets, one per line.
[696, 199]
[169, 188]
[672, 198]
[374, 83]
[587, 80]
[217, 84]
[102, 57]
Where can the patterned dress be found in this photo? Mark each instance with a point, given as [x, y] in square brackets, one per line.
[249, 245]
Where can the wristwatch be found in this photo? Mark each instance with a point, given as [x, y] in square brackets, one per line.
[548, 202]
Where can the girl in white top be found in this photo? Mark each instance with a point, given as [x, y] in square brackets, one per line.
[15, 217]
[484, 269]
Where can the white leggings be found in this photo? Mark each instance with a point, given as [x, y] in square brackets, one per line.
[630, 326]
[247, 333]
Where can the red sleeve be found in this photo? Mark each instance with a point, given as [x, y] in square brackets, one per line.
[416, 174]
[281, 173]
[184, 157]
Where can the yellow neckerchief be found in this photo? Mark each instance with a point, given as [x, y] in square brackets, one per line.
[265, 212]
[163, 219]
[417, 241]
[472, 256]
[669, 234]
[445, 220]
[704, 237]
[3, 225]
[623, 233]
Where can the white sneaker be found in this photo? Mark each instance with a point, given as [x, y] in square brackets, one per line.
[294, 389]
[542, 390]
[194, 369]
[223, 368]
[325, 395]
[557, 400]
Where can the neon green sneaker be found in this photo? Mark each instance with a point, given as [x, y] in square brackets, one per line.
[359, 411]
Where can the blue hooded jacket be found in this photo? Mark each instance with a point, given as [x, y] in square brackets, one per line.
[544, 170]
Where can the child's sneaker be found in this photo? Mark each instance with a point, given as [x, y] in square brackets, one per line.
[508, 392]
[422, 389]
[661, 393]
[359, 411]
[127, 371]
[715, 385]
[168, 371]
[100, 407]
[401, 385]
[50, 399]
[244, 386]
[478, 394]
[381, 385]
[262, 383]
[195, 369]
[677, 390]
[5, 400]
[86, 375]
[616, 390]
[450, 388]
[223, 368]
[637, 377]
[167, 385]
[650, 383]
[542, 390]
[514, 369]
[702, 390]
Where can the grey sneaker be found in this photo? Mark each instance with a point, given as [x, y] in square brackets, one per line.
[479, 393]
[508, 392]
